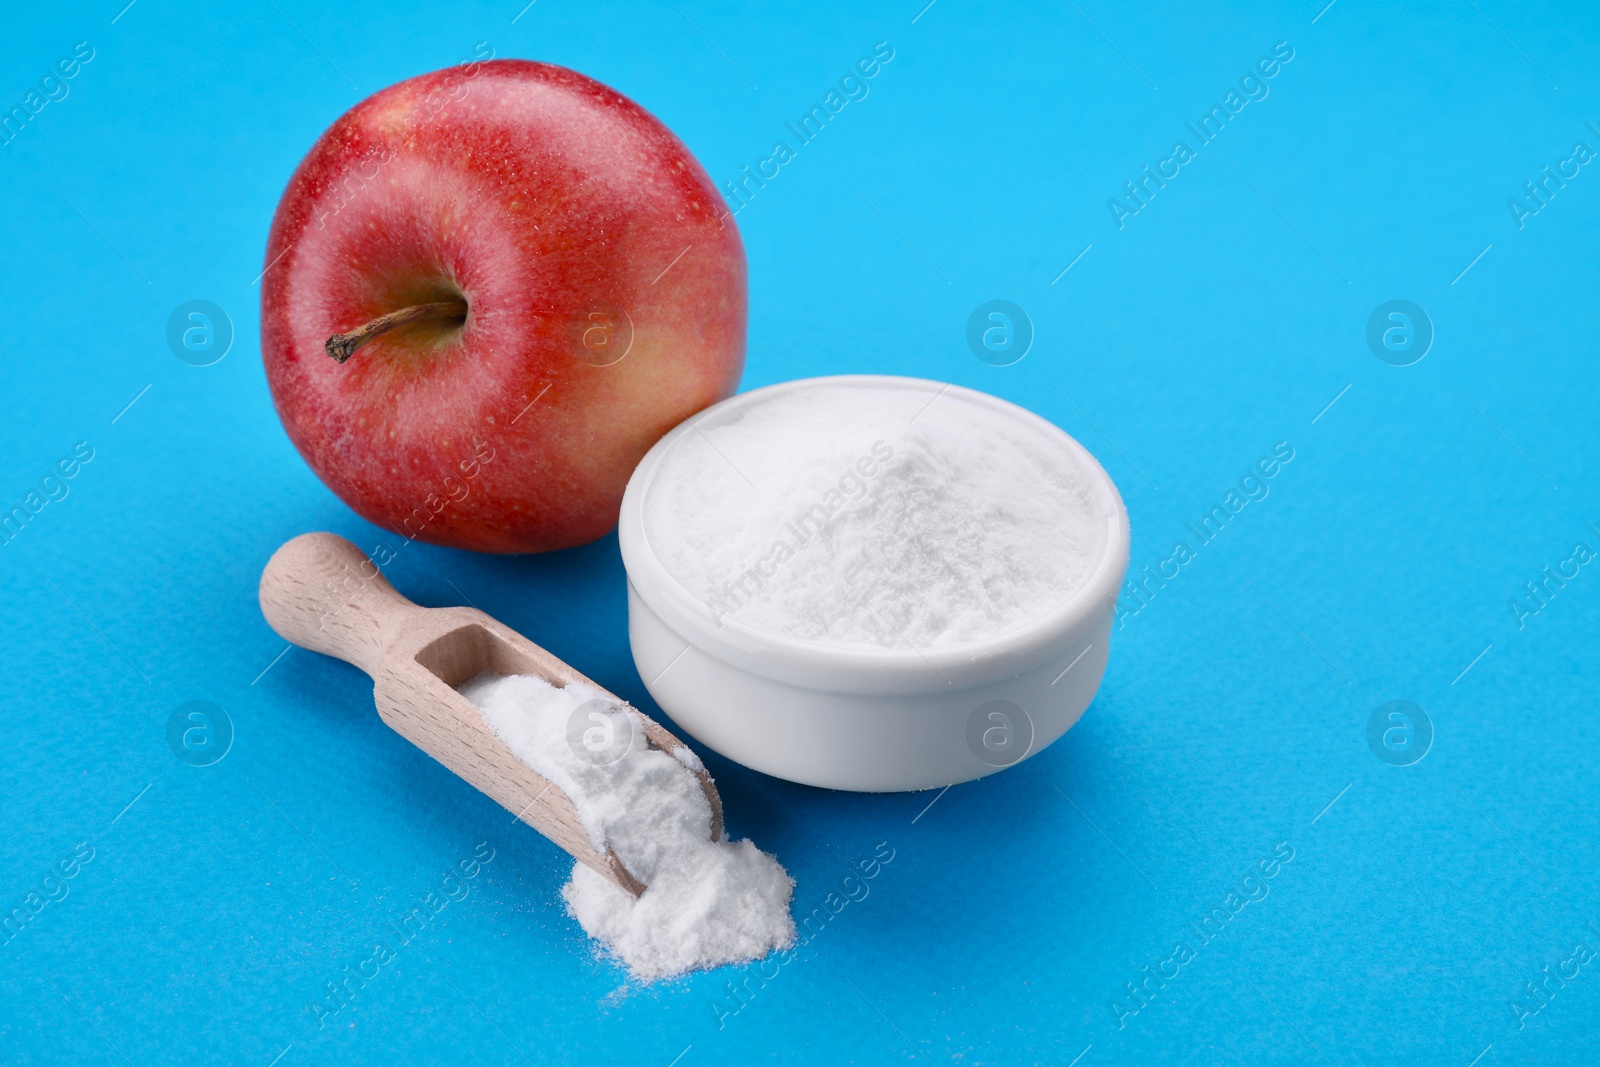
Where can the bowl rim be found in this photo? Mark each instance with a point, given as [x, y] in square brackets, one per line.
[857, 667]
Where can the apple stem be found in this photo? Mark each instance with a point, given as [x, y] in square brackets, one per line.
[341, 346]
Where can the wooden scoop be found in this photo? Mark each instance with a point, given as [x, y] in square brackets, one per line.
[320, 592]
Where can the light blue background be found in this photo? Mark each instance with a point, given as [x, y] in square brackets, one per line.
[1222, 319]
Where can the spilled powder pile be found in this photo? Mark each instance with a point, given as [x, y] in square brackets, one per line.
[867, 513]
[706, 903]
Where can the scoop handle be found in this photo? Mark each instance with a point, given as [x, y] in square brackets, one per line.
[322, 593]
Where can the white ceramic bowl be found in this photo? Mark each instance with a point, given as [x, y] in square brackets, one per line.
[866, 718]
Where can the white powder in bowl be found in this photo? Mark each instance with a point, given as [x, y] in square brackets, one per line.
[873, 513]
[706, 903]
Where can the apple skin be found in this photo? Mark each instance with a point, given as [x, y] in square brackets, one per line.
[577, 228]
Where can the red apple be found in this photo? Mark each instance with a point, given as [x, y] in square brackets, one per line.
[581, 286]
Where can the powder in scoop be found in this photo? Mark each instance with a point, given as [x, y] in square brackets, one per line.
[706, 903]
[874, 513]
